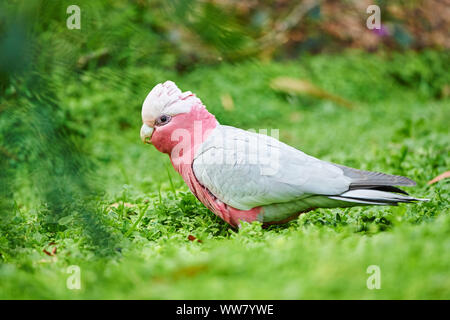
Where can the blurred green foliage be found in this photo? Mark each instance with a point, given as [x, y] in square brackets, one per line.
[75, 177]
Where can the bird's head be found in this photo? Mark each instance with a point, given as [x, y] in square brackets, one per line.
[170, 115]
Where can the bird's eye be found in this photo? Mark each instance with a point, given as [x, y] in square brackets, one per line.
[163, 119]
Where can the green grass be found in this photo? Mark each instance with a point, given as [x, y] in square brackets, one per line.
[399, 126]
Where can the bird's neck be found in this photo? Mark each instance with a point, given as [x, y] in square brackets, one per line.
[185, 134]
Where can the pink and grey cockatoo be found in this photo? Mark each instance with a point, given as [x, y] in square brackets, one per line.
[244, 176]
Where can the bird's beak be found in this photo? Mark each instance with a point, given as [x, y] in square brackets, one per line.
[146, 133]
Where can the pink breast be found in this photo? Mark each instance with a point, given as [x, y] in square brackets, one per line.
[229, 214]
[190, 122]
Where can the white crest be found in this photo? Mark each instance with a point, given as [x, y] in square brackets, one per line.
[167, 98]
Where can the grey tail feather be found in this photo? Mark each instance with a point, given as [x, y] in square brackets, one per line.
[374, 197]
[375, 188]
[374, 180]
[380, 188]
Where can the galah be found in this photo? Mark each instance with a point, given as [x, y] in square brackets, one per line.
[245, 176]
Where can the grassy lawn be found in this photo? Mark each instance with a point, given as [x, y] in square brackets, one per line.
[399, 125]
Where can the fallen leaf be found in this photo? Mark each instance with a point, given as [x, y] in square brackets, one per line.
[189, 271]
[192, 238]
[53, 251]
[440, 177]
[299, 86]
[98, 55]
[227, 102]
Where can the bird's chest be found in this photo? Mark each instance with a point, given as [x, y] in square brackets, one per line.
[227, 213]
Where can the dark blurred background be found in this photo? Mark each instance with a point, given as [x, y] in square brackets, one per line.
[181, 34]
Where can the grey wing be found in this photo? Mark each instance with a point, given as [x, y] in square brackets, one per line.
[369, 179]
[246, 170]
